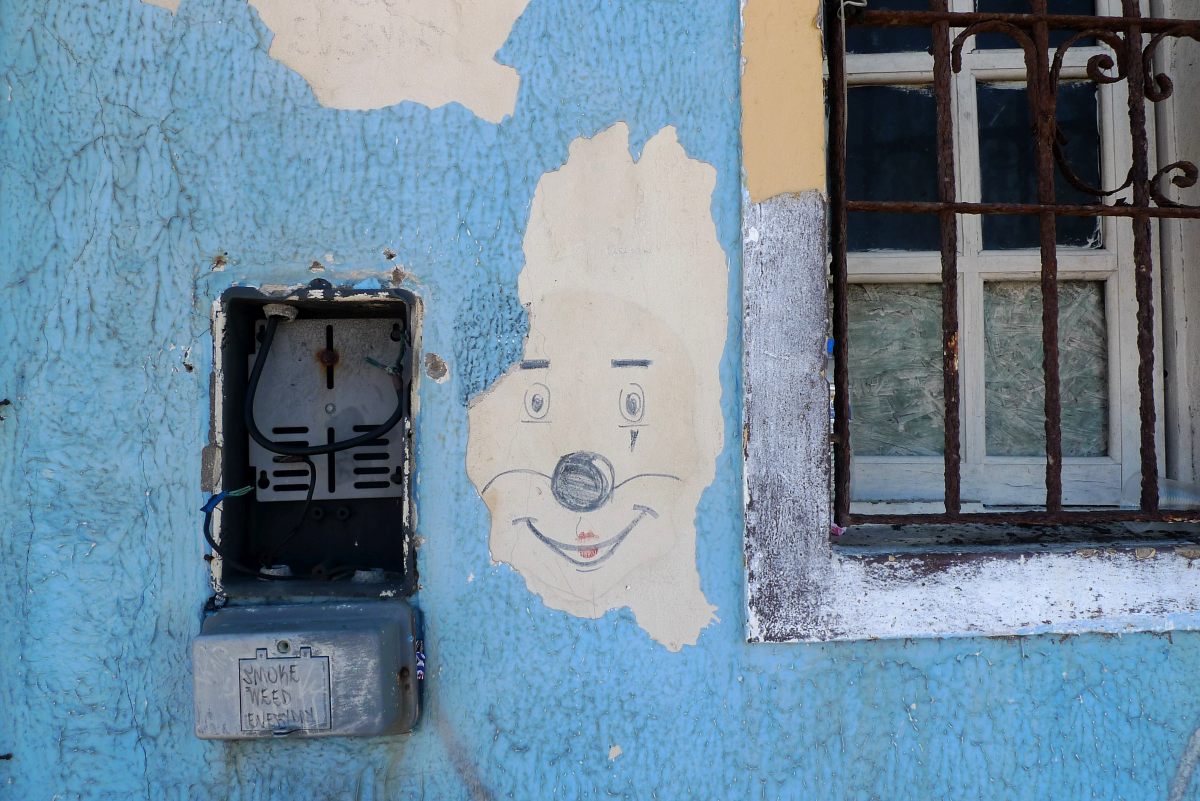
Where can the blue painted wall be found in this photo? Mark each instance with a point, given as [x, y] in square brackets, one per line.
[137, 148]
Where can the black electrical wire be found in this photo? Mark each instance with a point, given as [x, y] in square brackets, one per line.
[312, 485]
[338, 572]
[260, 361]
[236, 565]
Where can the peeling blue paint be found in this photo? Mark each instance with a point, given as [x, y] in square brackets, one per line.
[138, 149]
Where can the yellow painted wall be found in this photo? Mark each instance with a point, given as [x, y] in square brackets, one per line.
[783, 115]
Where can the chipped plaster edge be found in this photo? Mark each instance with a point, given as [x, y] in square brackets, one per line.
[799, 588]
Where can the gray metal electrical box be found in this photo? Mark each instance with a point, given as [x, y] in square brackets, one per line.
[307, 670]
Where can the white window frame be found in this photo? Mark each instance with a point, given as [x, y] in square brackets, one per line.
[803, 587]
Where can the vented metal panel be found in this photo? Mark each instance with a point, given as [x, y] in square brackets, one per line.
[318, 386]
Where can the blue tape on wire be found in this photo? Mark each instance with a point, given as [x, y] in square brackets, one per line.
[212, 502]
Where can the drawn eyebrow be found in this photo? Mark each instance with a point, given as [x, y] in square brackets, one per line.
[535, 364]
[630, 362]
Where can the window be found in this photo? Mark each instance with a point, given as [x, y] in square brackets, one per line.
[955, 578]
[980, 187]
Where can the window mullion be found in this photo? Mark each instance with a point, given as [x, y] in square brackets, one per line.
[971, 301]
[966, 143]
[973, 378]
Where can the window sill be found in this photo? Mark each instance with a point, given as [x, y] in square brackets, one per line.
[901, 590]
[870, 541]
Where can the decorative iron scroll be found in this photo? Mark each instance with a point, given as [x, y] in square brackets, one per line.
[1127, 56]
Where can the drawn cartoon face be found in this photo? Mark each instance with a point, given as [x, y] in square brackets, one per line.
[602, 447]
[592, 451]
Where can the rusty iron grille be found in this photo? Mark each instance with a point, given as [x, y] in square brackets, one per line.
[1132, 40]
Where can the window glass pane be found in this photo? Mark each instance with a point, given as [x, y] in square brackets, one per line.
[861, 39]
[891, 154]
[1015, 392]
[1008, 163]
[895, 347]
[988, 41]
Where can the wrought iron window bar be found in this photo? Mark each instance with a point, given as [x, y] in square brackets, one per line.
[1132, 40]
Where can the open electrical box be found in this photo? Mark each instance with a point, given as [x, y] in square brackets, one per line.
[323, 434]
[312, 422]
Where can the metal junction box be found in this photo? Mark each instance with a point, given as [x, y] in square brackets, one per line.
[307, 670]
[299, 499]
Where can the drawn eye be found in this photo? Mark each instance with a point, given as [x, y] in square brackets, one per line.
[537, 401]
[633, 403]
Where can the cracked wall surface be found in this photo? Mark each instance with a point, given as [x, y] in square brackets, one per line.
[148, 161]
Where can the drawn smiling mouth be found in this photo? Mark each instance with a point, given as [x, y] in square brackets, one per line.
[593, 553]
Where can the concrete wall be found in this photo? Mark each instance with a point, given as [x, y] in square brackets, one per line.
[149, 160]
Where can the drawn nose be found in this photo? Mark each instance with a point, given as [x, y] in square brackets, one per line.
[582, 481]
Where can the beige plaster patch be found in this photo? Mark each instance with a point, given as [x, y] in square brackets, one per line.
[367, 54]
[169, 5]
[592, 452]
[783, 101]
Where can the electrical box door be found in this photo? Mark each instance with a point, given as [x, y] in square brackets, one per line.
[307, 670]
